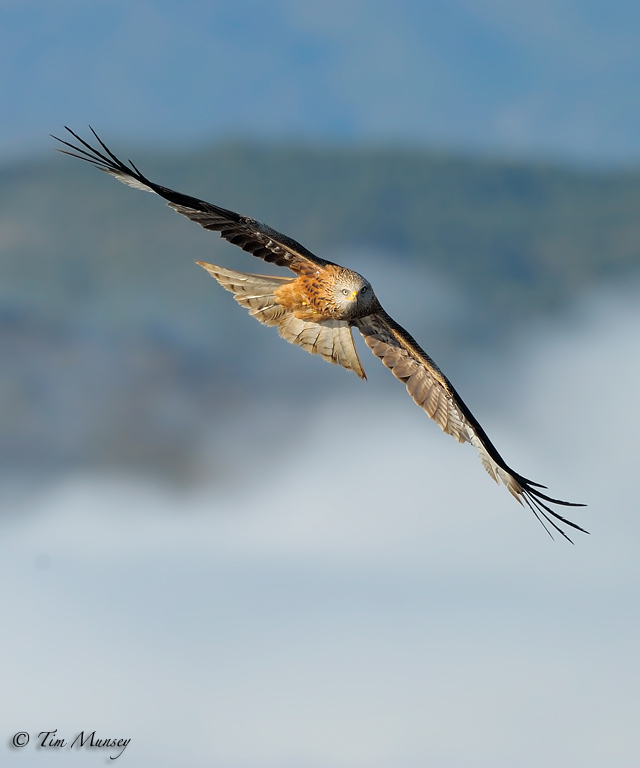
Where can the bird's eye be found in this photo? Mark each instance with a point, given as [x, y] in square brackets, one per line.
[345, 291]
[364, 289]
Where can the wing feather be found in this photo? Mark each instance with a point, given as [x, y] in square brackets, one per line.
[434, 393]
[249, 234]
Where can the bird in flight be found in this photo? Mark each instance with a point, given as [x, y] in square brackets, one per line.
[317, 309]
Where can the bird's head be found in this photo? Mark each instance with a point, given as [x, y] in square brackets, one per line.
[353, 295]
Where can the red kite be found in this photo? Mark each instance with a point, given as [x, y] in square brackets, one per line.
[317, 309]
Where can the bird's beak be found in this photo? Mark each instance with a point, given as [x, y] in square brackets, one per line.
[353, 296]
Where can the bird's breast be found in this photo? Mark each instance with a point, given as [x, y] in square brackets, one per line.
[308, 297]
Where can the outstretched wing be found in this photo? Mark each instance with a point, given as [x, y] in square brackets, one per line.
[250, 235]
[434, 393]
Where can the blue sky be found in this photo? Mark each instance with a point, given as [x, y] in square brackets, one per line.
[554, 78]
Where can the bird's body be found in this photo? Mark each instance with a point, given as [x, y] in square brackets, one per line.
[313, 296]
[317, 309]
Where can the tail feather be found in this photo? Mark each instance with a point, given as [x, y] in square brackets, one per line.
[253, 292]
[331, 339]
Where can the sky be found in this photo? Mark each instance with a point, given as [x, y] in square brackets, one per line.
[406, 613]
[551, 79]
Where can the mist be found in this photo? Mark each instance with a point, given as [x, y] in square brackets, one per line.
[356, 591]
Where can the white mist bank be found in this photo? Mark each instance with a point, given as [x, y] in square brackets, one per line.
[370, 599]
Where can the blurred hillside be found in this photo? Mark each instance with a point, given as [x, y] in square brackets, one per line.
[118, 352]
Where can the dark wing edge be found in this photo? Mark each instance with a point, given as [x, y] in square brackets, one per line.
[434, 393]
[252, 236]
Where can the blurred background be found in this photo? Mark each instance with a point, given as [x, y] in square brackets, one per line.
[236, 555]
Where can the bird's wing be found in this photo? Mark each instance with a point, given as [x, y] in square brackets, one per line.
[250, 235]
[331, 339]
[433, 392]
